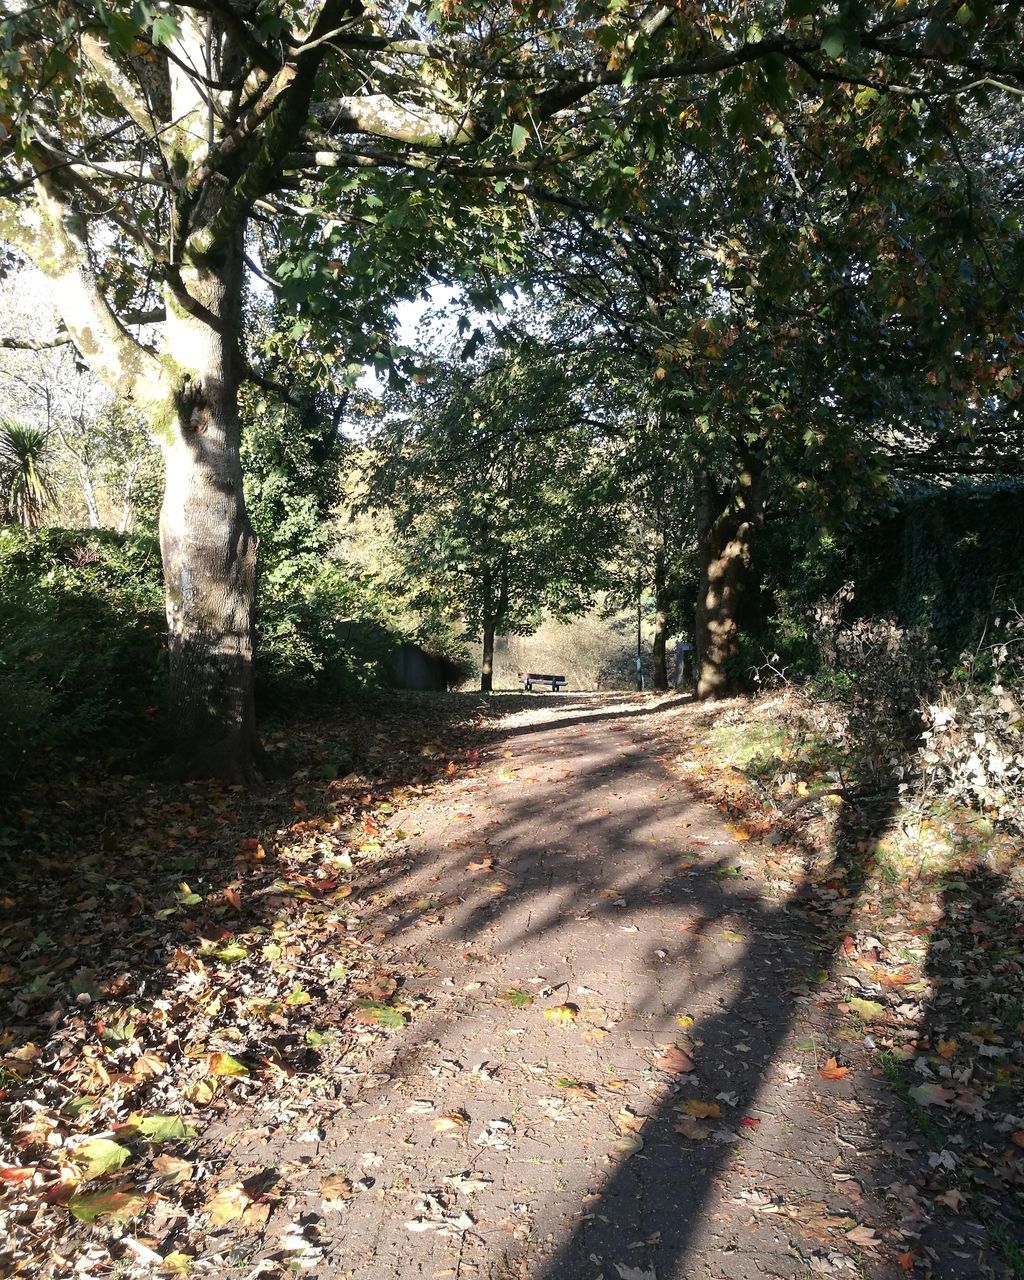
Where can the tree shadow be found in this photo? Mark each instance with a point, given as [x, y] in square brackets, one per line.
[962, 1077]
[569, 877]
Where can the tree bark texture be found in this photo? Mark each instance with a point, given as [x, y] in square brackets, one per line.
[207, 543]
[727, 525]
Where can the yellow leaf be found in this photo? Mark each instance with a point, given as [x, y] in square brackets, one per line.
[223, 1064]
[702, 1110]
[562, 1013]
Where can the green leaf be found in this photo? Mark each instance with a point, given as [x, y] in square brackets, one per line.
[868, 1010]
[165, 1129]
[102, 1155]
[165, 28]
[518, 138]
[384, 1015]
[833, 42]
[121, 1205]
[517, 997]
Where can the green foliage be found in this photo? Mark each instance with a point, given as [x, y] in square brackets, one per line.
[81, 640]
[947, 559]
[26, 488]
[497, 485]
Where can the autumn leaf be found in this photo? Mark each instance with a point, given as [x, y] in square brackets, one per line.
[234, 1204]
[165, 1129]
[625, 1146]
[564, 1013]
[515, 996]
[701, 1110]
[867, 1010]
[172, 1169]
[749, 1122]
[833, 1071]
[674, 1061]
[223, 1064]
[336, 1189]
[577, 1089]
[119, 1205]
[932, 1095]
[450, 1122]
[946, 1048]
[101, 1156]
[381, 1014]
[690, 1127]
[629, 1122]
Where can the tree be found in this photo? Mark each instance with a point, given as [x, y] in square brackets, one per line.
[499, 490]
[145, 141]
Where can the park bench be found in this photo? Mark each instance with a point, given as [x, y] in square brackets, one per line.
[557, 683]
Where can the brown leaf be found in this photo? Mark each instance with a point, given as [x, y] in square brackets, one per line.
[451, 1122]
[833, 1071]
[172, 1169]
[629, 1122]
[692, 1128]
[336, 1189]
[674, 1061]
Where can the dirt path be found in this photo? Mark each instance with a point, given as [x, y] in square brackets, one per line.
[611, 1069]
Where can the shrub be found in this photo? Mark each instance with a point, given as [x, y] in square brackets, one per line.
[81, 639]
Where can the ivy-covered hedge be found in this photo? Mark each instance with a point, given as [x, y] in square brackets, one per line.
[949, 559]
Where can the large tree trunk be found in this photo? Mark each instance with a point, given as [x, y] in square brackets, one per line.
[660, 677]
[207, 542]
[727, 526]
[487, 665]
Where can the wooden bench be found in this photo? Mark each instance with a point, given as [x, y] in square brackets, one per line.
[557, 683]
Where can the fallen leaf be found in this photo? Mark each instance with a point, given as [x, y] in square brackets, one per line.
[867, 1010]
[172, 1169]
[562, 1013]
[223, 1064]
[165, 1129]
[674, 1061]
[702, 1110]
[629, 1122]
[691, 1128]
[376, 1012]
[517, 997]
[933, 1095]
[119, 1205]
[451, 1122]
[336, 1189]
[833, 1071]
[101, 1156]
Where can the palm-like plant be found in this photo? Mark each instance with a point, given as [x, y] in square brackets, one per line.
[25, 486]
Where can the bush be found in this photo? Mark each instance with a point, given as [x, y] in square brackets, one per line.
[82, 655]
